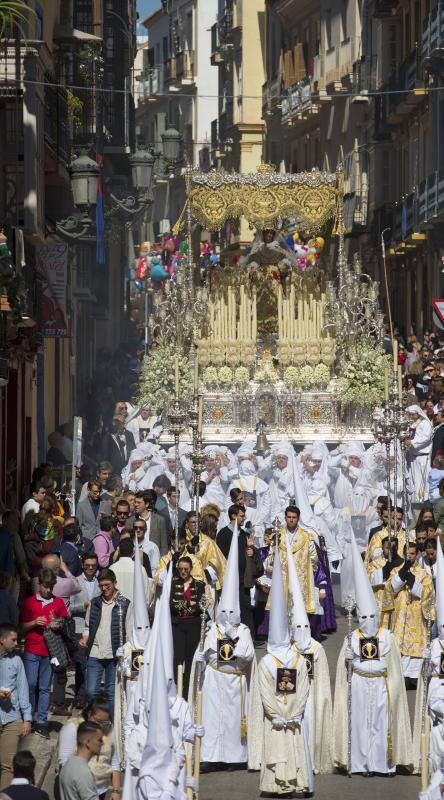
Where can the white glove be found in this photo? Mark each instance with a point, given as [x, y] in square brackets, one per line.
[161, 578]
[200, 731]
[295, 720]
[349, 654]
[199, 657]
[190, 783]
[427, 653]
[119, 652]
[278, 723]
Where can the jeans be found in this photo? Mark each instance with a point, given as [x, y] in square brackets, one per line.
[96, 668]
[38, 674]
[80, 660]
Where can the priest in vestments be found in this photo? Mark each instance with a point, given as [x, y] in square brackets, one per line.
[413, 604]
[304, 556]
[380, 725]
[281, 746]
[318, 712]
[379, 572]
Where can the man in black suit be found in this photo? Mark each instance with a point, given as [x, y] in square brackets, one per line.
[74, 546]
[250, 563]
[117, 446]
[22, 785]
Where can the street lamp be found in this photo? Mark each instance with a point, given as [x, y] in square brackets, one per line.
[84, 173]
[171, 140]
[142, 166]
[84, 181]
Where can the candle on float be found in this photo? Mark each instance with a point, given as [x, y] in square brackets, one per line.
[400, 383]
[176, 374]
[200, 417]
[254, 332]
[196, 373]
[386, 384]
[292, 315]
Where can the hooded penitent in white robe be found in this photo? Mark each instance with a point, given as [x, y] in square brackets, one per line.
[419, 455]
[318, 711]
[433, 791]
[217, 484]
[226, 684]
[280, 481]
[280, 745]
[380, 726]
[258, 514]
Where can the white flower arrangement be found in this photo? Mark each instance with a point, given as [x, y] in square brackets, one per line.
[321, 375]
[291, 377]
[241, 376]
[361, 379]
[156, 384]
[210, 376]
[306, 377]
[225, 376]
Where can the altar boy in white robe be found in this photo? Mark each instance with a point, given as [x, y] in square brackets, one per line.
[282, 747]
[228, 673]
[318, 711]
[380, 726]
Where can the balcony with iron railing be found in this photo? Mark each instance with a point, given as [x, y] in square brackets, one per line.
[185, 67]
[406, 88]
[432, 40]
[431, 198]
[56, 123]
[272, 96]
[151, 85]
[297, 102]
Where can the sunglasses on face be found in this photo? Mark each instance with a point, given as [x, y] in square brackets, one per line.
[139, 528]
[122, 513]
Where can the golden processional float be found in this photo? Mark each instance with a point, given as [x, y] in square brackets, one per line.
[272, 323]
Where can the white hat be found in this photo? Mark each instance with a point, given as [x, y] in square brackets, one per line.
[283, 448]
[278, 644]
[366, 605]
[157, 758]
[136, 455]
[141, 622]
[439, 590]
[228, 609]
[300, 626]
[171, 453]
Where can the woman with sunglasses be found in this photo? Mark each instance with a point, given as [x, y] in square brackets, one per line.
[106, 766]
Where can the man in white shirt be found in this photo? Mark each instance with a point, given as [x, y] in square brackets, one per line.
[38, 494]
[145, 544]
[78, 608]
[123, 569]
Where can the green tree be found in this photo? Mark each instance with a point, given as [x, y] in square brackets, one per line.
[14, 13]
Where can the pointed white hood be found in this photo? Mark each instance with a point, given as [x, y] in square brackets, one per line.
[141, 622]
[157, 765]
[166, 634]
[366, 605]
[228, 610]
[300, 632]
[440, 590]
[278, 644]
[307, 520]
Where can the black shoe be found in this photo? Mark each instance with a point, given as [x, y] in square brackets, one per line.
[368, 774]
[41, 730]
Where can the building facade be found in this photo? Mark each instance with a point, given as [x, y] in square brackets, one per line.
[178, 91]
[358, 84]
[65, 86]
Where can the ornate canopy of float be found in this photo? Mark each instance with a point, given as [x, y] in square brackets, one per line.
[272, 336]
